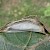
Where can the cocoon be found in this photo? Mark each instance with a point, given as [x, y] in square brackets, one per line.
[24, 25]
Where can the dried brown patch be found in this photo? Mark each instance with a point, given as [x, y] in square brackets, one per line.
[42, 3]
[7, 5]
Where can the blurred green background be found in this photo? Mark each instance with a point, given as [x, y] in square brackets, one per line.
[11, 10]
